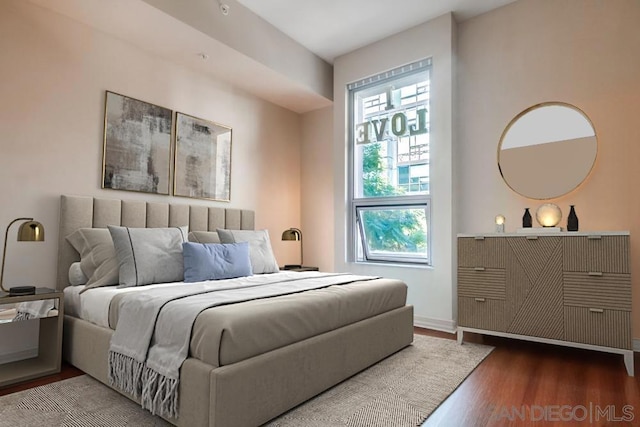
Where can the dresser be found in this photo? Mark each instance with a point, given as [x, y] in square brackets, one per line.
[571, 289]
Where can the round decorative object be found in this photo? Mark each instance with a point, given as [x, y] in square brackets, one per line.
[548, 215]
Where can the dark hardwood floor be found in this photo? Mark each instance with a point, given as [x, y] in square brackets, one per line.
[522, 383]
[519, 384]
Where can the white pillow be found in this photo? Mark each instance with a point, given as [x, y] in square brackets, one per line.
[260, 251]
[76, 275]
[98, 259]
[149, 255]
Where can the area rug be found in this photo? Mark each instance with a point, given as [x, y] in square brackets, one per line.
[402, 390]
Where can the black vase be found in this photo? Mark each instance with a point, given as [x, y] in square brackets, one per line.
[526, 219]
[572, 220]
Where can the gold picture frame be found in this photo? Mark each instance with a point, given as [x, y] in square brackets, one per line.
[202, 161]
[137, 145]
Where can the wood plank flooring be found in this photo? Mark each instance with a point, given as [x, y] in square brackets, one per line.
[531, 384]
[519, 384]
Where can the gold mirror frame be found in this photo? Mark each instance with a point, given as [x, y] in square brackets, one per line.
[546, 160]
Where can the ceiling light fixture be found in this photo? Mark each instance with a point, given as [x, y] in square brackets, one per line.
[224, 8]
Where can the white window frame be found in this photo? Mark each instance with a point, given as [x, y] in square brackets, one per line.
[358, 250]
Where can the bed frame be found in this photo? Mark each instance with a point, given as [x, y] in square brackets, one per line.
[246, 393]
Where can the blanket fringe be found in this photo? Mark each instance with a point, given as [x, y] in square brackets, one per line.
[125, 373]
[159, 393]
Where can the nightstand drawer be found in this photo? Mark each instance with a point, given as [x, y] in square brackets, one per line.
[482, 313]
[488, 252]
[595, 289]
[482, 282]
[597, 326]
[605, 254]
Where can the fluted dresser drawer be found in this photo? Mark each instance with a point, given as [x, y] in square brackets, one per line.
[604, 327]
[480, 251]
[482, 313]
[596, 253]
[482, 282]
[597, 290]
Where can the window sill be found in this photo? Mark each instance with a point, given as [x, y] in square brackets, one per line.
[392, 265]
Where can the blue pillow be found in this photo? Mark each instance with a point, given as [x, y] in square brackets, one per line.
[215, 261]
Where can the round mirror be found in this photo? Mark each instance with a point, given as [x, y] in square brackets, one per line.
[547, 150]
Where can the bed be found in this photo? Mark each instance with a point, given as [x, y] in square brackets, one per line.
[297, 347]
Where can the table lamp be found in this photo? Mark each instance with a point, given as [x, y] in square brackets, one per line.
[29, 231]
[293, 234]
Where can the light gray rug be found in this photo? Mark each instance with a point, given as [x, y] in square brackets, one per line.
[402, 390]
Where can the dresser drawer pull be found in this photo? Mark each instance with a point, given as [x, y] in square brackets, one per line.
[478, 268]
[480, 299]
[532, 237]
[479, 237]
[594, 237]
[595, 273]
[596, 310]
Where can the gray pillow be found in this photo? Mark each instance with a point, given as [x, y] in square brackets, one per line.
[204, 237]
[260, 252]
[98, 259]
[149, 255]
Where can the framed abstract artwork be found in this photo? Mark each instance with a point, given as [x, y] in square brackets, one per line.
[202, 159]
[137, 145]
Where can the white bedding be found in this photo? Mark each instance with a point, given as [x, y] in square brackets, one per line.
[93, 305]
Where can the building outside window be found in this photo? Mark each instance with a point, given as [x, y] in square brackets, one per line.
[389, 166]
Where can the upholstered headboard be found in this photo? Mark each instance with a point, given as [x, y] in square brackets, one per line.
[89, 212]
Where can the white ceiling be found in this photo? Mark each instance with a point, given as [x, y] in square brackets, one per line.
[331, 28]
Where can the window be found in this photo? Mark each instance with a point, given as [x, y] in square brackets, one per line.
[389, 166]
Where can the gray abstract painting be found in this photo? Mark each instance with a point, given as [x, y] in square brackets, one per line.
[137, 145]
[203, 159]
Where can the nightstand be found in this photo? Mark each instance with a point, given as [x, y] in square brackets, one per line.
[49, 356]
[300, 268]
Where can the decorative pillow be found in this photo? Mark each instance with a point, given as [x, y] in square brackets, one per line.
[260, 252]
[149, 255]
[76, 275]
[215, 261]
[98, 259]
[204, 237]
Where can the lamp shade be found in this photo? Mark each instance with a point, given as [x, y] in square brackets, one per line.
[292, 234]
[31, 231]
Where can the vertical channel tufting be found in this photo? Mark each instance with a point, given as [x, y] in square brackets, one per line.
[247, 220]
[198, 218]
[106, 212]
[216, 219]
[233, 219]
[178, 215]
[157, 215]
[134, 213]
[75, 213]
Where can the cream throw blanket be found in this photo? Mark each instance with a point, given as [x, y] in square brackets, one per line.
[152, 338]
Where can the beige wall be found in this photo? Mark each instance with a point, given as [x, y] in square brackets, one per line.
[317, 188]
[53, 77]
[583, 52]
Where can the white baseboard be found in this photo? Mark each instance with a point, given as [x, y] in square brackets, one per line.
[29, 353]
[435, 324]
